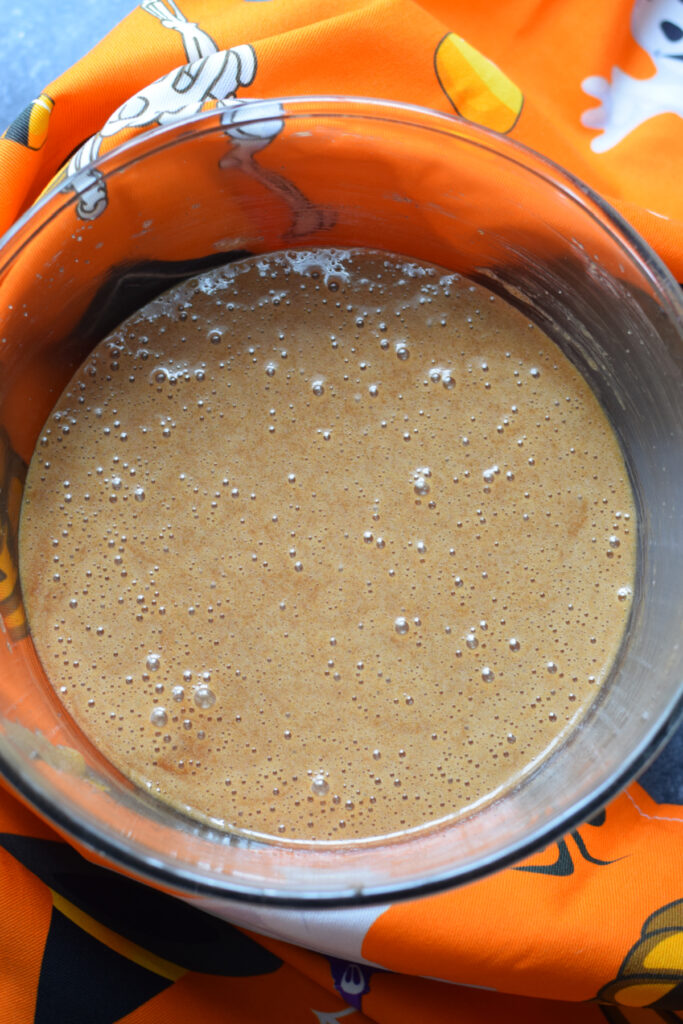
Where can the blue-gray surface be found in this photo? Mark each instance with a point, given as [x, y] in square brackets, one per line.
[38, 40]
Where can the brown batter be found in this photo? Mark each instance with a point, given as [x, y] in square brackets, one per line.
[327, 546]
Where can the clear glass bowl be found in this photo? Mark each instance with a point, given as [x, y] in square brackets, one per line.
[343, 172]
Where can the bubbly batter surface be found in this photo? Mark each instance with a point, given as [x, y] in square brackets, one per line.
[327, 546]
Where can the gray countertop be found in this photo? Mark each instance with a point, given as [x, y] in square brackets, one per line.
[38, 40]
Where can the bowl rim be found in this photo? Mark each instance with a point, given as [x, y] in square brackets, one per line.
[367, 107]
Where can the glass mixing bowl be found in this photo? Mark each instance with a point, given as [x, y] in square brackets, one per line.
[342, 172]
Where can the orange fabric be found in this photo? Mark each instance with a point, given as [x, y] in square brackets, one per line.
[522, 904]
[597, 918]
[601, 84]
[22, 943]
